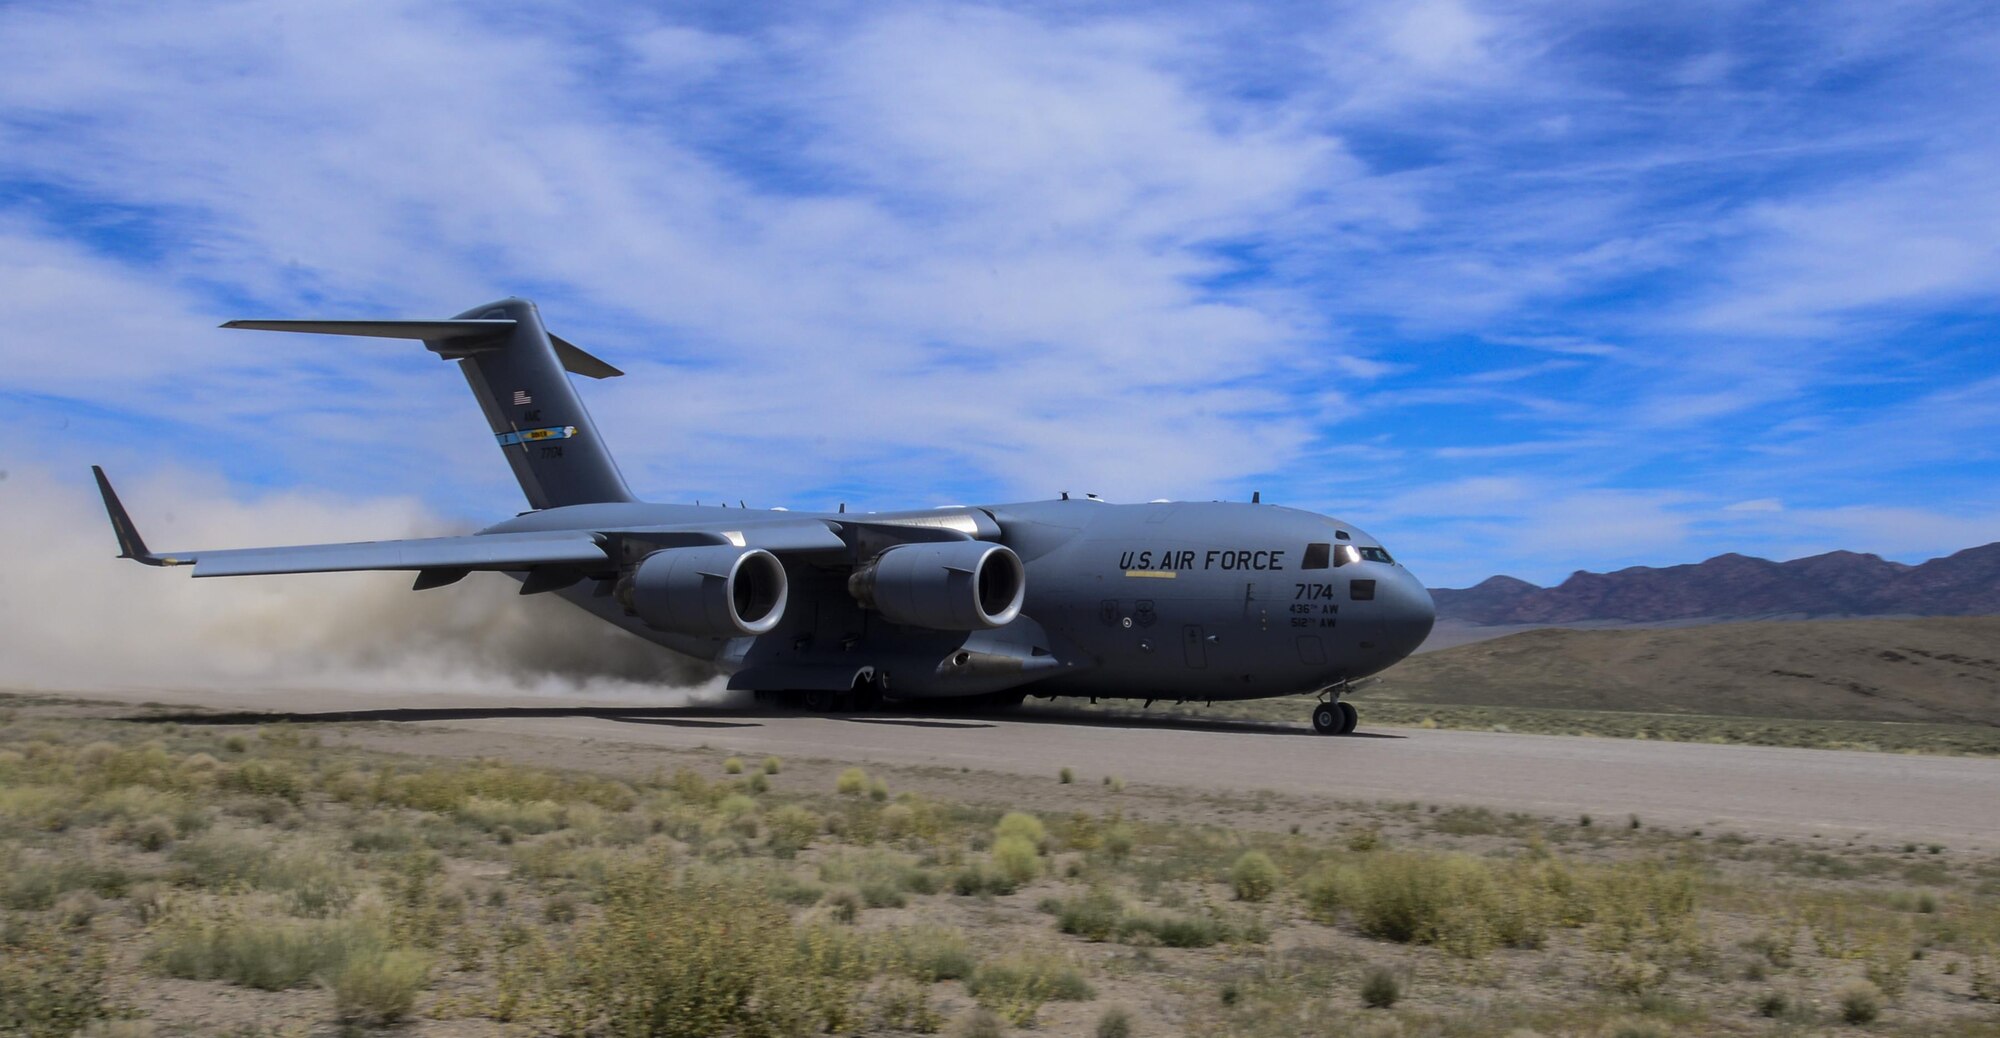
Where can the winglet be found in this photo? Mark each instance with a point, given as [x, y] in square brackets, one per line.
[130, 544]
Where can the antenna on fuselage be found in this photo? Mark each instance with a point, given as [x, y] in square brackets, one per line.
[1256, 497]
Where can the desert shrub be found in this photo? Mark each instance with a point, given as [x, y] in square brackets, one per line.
[1066, 776]
[378, 987]
[270, 778]
[1419, 899]
[981, 878]
[1023, 826]
[38, 885]
[1379, 988]
[1016, 987]
[492, 814]
[878, 790]
[902, 1004]
[76, 909]
[1325, 894]
[791, 829]
[221, 860]
[50, 983]
[147, 902]
[443, 788]
[757, 783]
[1860, 1002]
[733, 766]
[1016, 859]
[560, 910]
[1773, 1004]
[271, 954]
[773, 765]
[149, 834]
[1173, 930]
[896, 821]
[1467, 905]
[1254, 876]
[1363, 840]
[1115, 1022]
[670, 958]
[980, 1022]
[932, 953]
[39, 808]
[1095, 916]
[740, 812]
[852, 782]
[1634, 903]
[1118, 842]
[882, 893]
[844, 904]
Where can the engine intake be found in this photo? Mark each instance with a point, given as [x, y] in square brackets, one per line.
[947, 586]
[716, 592]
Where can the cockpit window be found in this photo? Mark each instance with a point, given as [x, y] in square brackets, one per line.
[1373, 554]
[1316, 555]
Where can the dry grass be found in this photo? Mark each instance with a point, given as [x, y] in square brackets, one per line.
[357, 890]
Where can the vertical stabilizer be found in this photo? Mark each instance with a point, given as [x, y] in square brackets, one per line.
[534, 411]
[517, 372]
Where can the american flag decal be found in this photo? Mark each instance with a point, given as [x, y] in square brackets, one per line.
[522, 399]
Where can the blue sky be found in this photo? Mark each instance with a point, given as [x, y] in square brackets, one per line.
[1519, 288]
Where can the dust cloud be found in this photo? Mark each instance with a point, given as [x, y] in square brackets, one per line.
[73, 617]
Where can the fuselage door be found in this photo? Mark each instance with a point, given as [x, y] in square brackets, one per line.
[1195, 646]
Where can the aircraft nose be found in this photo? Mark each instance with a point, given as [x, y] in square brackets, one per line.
[1408, 614]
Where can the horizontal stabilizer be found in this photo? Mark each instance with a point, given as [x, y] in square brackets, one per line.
[430, 331]
[466, 336]
[579, 362]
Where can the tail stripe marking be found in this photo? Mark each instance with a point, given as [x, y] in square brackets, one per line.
[554, 432]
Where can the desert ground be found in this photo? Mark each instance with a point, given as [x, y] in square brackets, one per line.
[234, 863]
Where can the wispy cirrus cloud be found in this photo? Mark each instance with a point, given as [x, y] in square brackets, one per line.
[1637, 264]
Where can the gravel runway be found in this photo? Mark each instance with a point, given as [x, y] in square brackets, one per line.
[1832, 794]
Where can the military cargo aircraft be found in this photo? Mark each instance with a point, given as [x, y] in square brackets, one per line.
[1179, 600]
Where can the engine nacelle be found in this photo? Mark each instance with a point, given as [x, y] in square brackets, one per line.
[716, 592]
[946, 586]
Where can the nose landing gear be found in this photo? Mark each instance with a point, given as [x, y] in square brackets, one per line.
[1337, 717]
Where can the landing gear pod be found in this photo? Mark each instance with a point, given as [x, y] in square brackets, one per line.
[716, 592]
[949, 586]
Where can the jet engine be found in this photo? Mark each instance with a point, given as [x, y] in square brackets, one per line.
[947, 586]
[716, 592]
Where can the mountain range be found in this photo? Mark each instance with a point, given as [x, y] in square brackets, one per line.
[1739, 587]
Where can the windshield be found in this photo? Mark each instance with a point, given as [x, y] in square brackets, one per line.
[1373, 554]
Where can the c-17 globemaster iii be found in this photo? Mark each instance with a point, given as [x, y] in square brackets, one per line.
[1177, 600]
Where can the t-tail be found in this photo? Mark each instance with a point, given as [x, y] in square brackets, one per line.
[516, 370]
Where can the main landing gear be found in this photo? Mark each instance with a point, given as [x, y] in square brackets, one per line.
[1337, 717]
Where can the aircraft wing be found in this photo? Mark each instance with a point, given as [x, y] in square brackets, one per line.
[497, 551]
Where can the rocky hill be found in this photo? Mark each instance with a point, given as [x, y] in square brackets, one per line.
[1836, 584]
[1944, 669]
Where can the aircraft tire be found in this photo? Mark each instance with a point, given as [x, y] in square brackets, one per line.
[819, 702]
[1327, 718]
[1350, 718]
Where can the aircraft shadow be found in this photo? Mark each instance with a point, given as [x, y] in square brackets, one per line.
[1131, 719]
[680, 717]
[905, 715]
[910, 722]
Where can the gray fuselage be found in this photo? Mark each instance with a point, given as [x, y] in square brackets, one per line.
[1167, 600]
